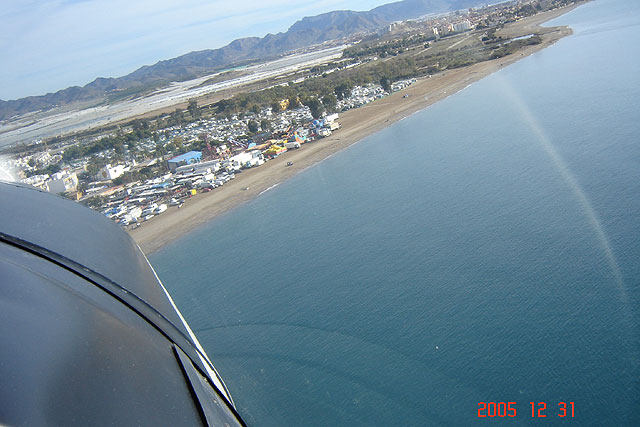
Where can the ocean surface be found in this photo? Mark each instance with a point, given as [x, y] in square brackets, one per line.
[486, 249]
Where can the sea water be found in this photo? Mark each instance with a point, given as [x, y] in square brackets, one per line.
[485, 249]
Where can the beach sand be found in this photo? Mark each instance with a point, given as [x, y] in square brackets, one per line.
[355, 125]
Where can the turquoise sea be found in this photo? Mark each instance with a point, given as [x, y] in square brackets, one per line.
[486, 249]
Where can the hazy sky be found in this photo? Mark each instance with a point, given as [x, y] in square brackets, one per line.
[47, 45]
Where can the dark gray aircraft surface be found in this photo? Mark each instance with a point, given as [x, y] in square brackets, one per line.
[89, 334]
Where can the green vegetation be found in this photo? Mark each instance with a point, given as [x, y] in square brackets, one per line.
[117, 143]
[49, 170]
[141, 174]
[329, 101]
[193, 109]
[511, 47]
[387, 48]
[385, 83]
[95, 202]
[327, 89]
[253, 126]
[315, 105]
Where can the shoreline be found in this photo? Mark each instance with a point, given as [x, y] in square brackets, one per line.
[356, 125]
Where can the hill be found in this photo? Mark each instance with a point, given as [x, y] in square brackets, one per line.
[306, 32]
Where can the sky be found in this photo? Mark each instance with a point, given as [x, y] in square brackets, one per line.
[48, 45]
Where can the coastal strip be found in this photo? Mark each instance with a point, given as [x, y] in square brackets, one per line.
[356, 125]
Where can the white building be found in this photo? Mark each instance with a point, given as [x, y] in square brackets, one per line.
[462, 26]
[202, 167]
[257, 159]
[240, 160]
[62, 181]
[111, 172]
[331, 117]
[38, 181]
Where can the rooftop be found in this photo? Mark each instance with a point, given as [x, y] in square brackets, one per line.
[187, 156]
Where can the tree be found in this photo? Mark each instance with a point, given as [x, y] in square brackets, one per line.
[253, 126]
[386, 84]
[52, 168]
[265, 125]
[315, 106]
[293, 102]
[95, 201]
[177, 117]
[93, 169]
[329, 101]
[118, 148]
[193, 109]
[343, 90]
[275, 107]
[170, 147]
[159, 151]
[255, 109]
[32, 162]
[226, 106]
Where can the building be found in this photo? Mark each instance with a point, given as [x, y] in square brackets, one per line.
[240, 160]
[111, 172]
[209, 166]
[38, 181]
[62, 181]
[331, 117]
[462, 26]
[42, 159]
[185, 159]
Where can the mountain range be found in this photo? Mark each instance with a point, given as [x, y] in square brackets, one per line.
[305, 32]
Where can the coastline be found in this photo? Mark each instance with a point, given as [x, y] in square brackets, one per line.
[356, 125]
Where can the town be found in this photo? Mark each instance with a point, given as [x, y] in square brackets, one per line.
[132, 186]
[135, 170]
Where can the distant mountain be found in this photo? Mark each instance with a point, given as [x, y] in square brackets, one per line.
[306, 32]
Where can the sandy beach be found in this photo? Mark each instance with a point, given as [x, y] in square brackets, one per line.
[355, 125]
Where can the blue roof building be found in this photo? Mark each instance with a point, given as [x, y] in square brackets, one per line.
[185, 159]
